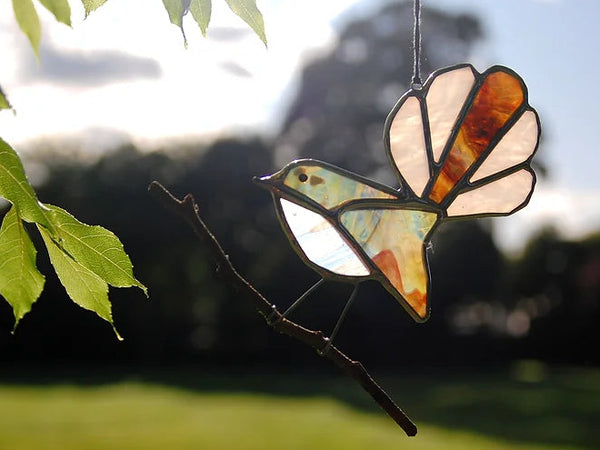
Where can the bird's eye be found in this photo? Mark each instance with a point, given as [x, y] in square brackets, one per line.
[303, 177]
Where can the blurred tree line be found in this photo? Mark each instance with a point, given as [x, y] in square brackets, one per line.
[485, 307]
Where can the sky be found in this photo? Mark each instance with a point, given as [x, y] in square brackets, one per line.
[123, 74]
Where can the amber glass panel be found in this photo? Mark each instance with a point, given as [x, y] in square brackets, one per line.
[394, 240]
[497, 99]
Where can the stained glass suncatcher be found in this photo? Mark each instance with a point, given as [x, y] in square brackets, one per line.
[461, 146]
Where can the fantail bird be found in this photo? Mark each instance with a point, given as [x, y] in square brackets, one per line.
[461, 146]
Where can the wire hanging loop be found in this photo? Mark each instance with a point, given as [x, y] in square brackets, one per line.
[416, 79]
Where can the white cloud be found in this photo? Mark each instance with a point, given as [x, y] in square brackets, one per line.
[197, 91]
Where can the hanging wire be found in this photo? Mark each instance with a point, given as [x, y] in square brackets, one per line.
[416, 79]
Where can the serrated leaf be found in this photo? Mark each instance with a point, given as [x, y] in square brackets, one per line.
[201, 11]
[20, 282]
[15, 188]
[95, 248]
[84, 287]
[176, 10]
[60, 9]
[4, 103]
[249, 13]
[29, 22]
[92, 5]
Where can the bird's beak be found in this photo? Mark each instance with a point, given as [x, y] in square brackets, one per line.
[263, 181]
[271, 182]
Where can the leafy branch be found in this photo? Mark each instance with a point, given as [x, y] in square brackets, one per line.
[86, 258]
[188, 210]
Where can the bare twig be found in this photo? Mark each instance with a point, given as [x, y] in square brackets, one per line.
[188, 210]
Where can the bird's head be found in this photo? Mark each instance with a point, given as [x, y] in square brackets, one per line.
[322, 183]
[303, 178]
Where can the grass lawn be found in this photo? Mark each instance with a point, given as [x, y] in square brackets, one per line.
[557, 410]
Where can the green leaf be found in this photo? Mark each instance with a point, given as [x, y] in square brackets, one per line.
[84, 287]
[15, 188]
[20, 282]
[4, 103]
[29, 22]
[176, 10]
[249, 13]
[201, 10]
[60, 9]
[92, 5]
[95, 248]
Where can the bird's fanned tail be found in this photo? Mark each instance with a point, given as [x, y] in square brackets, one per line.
[465, 141]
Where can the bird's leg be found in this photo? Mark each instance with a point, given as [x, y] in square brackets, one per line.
[296, 303]
[338, 324]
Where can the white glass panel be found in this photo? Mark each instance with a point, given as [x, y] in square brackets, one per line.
[407, 144]
[321, 243]
[445, 99]
[499, 197]
[515, 147]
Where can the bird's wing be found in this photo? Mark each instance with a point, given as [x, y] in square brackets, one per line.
[464, 142]
[319, 242]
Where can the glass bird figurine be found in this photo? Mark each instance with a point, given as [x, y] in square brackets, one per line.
[461, 146]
